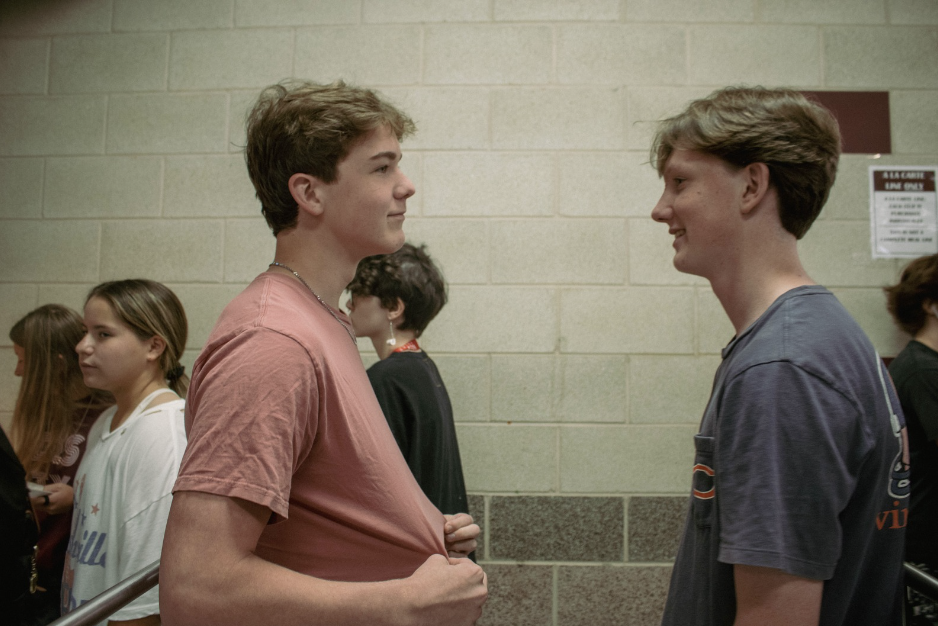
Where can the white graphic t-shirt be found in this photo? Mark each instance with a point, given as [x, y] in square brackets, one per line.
[122, 497]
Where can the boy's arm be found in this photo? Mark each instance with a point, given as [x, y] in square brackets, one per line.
[209, 575]
[771, 597]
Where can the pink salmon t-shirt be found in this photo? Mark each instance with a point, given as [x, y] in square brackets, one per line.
[280, 413]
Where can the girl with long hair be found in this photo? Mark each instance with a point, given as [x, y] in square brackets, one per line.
[135, 335]
[53, 413]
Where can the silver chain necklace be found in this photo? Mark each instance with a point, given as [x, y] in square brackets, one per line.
[349, 330]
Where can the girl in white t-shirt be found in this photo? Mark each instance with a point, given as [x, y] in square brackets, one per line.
[135, 333]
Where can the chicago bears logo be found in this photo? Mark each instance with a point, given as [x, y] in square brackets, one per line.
[703, 482]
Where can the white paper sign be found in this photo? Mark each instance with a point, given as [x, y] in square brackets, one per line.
[903, 211]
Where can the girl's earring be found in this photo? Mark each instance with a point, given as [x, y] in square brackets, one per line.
[393, 340]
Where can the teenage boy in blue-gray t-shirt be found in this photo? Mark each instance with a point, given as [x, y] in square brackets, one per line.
[800, 482]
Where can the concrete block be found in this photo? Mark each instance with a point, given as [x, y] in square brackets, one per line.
[473, 55]
[447, 118]
[167, 123]
[912, 12]
[295, 12]
[518, 594]
[418, 11]
[249, 248]
[508, 457]
[838, 254]
[24, 66]
[21, 188]
[108, 63]
[203, 305]
[172, 15]
[655, 527]
[620, 54]
[523, 388]
[670, 389]
[649, 105]
[54, 18]
[904, 57]
[497, 319]
[163, 250]
[366, 55]
[651, 256]
[513, 183]
[578, 251]
[714, 329]
[726, 11]
[914, 123]
[608, 320]
[607, 184]
[102, 187]
[556, 528]
[827, 12]
[18, 299]
[239, 106]
[630, 459]
[39, 126]
[553, 119]
[71, 295]
[49, 251]
[468, 381]
[760, 55]
[607, 596]
[9, 384]
[868, 308]
[592, 388]
[208, 186]
[459, 247]
[556, 10]
[230, 59]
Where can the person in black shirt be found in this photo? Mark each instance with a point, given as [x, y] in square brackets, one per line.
[913, 303]
[394, 298]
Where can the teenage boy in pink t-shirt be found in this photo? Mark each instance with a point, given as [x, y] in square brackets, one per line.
[293, 504]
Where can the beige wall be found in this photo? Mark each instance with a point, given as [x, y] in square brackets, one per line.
[578, 359]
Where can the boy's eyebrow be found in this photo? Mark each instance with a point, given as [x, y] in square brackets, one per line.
[388, 154]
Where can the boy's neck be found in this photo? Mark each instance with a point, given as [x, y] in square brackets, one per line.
[384, 349]
[750, 287]
[325, 271]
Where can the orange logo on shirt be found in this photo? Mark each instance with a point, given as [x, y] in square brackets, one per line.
[703, 475]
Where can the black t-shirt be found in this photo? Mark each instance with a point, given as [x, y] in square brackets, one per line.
[915, 372]
[18, 534]
[414, 400]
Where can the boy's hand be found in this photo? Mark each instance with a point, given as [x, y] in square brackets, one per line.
[460, 533]
[446, 591]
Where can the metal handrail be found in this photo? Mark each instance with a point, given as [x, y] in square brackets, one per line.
[108, 602]
[923, 582]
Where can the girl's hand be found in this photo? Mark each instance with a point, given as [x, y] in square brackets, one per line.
[57, 502]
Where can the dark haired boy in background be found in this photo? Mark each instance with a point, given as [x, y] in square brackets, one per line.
[394, 298]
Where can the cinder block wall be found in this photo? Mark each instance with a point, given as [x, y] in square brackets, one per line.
[578, 360]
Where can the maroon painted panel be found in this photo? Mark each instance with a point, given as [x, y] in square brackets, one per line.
[863, 117]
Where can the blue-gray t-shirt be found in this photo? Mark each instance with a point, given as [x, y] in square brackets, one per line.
[800, 466]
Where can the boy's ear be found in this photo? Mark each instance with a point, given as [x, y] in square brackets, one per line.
[757, 180]
[306, 190]
[397, 310]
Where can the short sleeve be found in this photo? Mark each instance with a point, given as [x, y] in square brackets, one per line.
[253, 416]
[788, 453]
